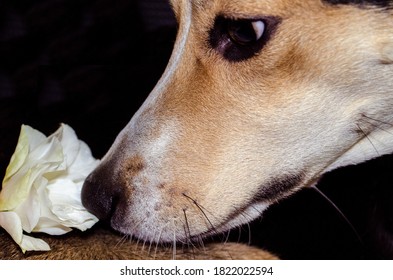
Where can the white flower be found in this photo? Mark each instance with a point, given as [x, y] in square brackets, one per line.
[42, 186]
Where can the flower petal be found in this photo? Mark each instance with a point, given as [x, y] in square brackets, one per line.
[77, 155]
[83, 164]
[29, 211]
[33, 156]
[15, 191]
[33, 244]
[11, 195]
[20, 154]
[11, 223]
[51, 226]
[69, 142]
[42, 187]
[65, 198]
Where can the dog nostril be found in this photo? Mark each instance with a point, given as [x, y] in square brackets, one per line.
[98, 196]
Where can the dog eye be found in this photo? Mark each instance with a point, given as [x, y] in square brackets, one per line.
[241, 39]
[245, 32]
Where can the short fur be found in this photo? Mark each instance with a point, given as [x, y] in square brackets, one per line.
[102, 244]
[228, 131]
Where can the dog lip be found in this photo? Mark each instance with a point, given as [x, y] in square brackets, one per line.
[276, 189]
[279, 187]
[249, 212]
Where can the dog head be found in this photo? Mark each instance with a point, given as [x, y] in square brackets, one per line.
[259, 99]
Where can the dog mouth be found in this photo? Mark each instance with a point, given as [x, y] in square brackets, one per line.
[280, 187]
[179, 214]
[237, 219]
[268, 194]
[183, 231]
[201, 223]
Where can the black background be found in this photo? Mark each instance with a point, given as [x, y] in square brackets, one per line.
[91, 64]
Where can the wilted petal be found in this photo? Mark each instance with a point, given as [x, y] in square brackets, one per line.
[69, 142]
[15, 191]
[80, 161]
[20, 154]
[29, 211]
[66, 204]
[51, 226]
[11, 223]
[25, 166]
[42, 187]
[33, 244]
[83, 164]
[49, 151]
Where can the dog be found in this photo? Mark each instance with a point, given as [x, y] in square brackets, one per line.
[258, 101]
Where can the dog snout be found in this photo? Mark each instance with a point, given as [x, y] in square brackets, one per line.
[100, 195]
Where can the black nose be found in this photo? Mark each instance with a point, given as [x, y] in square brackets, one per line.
[99, 195]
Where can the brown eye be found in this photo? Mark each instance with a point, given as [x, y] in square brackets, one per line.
[241, 39]
[245, 32]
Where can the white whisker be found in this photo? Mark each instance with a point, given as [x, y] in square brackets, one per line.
[339, 212]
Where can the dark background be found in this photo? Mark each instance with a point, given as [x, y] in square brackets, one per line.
[91, 63]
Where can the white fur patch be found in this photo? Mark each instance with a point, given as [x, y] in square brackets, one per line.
[378, 143]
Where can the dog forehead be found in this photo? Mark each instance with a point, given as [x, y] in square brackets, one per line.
[250, 7]
[242, 7]
[377, 3]
[275, 6]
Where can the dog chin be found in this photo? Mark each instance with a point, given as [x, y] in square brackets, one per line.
[177, 232]
[247, 215]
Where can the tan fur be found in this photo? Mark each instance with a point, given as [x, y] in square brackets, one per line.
[219, 141]
[101, 244]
